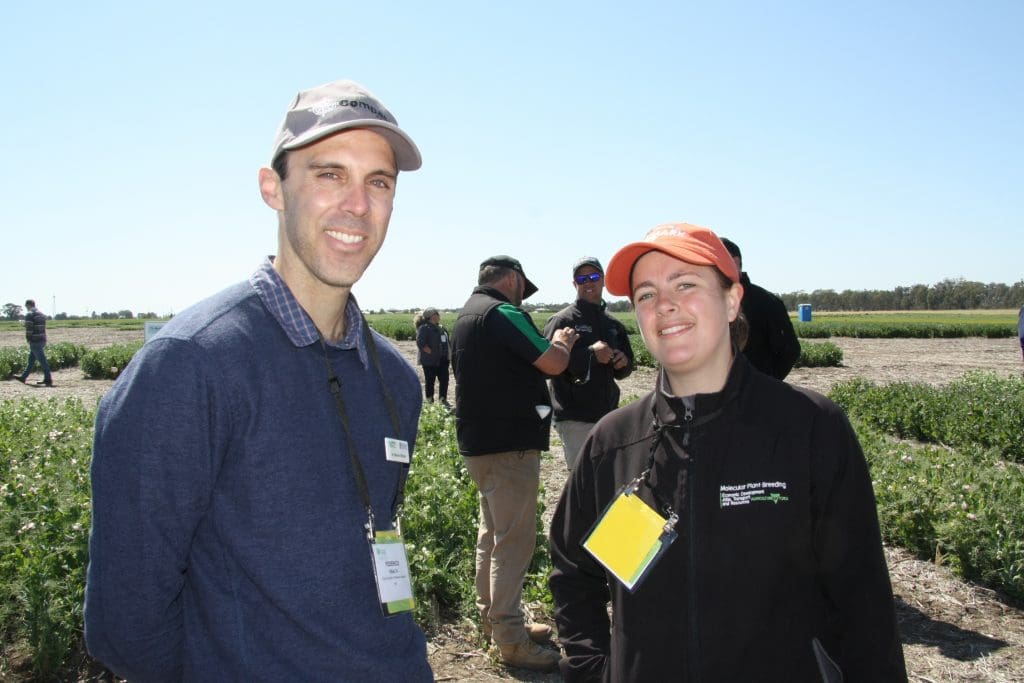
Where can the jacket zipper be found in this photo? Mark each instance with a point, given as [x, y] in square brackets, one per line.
[692, 664]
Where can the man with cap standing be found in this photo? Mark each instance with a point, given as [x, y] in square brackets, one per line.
[502, 413]
[772, 346]
[241, 507]
[586, 391]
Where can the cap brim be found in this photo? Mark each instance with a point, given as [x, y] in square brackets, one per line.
[407, 155]
[620, 268]
[529, 289]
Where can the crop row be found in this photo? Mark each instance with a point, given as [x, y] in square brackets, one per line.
[103, 363]
[979, 410]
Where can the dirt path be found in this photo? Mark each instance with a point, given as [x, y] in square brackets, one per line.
[952, 630]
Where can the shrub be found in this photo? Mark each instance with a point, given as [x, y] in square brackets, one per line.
[956, 507]
[439, 521]
[11, 360]
[44, 522]
[108, 362]
[641, 356]
[819, 355]
[978, 410]
[59, 355]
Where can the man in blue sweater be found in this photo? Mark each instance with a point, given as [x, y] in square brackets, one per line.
[249, 464]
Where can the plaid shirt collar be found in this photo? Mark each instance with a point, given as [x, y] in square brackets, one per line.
[294, 320]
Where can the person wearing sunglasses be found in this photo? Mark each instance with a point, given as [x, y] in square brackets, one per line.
[587, 391]
[727, 516]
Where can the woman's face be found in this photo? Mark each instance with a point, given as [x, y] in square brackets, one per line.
[436, 318]
[683, 314]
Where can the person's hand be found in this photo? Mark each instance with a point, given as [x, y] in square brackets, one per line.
[619, 360]
[602, 352]
[567, 336]
[426, 350]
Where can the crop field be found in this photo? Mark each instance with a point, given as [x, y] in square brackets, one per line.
[944, 446]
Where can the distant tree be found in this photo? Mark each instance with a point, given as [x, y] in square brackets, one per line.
[125, 313]
[61, 316]
[11, 311]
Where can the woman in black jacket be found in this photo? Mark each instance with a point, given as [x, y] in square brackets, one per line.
[432, 343]
[766, 561]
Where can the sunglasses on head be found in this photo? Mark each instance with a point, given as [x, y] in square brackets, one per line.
[590, 277]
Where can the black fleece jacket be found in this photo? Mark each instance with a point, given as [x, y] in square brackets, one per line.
[587, 391]
[778, 544]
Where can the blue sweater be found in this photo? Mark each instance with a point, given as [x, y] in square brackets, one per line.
[227, 540]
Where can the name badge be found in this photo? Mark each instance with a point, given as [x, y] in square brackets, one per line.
[396, 450]
[630, 538]
[391, 570]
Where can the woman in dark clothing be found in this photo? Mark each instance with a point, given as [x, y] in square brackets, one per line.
[432, 342]
[762, 558]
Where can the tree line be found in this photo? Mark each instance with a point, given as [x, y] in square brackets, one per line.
[11, 311]
[948, 295]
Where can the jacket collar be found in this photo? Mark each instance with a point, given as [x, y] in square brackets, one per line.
[669, 409]
[491, 292]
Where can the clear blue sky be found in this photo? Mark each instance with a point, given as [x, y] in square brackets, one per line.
[842, 145]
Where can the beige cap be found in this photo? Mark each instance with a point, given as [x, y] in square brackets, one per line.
[341, 105]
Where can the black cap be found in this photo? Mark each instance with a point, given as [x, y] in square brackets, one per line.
[508, 262]
[587, 261]
[731, 247]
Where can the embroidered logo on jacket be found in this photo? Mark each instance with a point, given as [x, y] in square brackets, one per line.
[731, 495]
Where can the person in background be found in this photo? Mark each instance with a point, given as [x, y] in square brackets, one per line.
[587, 391]
[35, 335]
[766, 560]
[1020, 330]
[249, 464]
[502, 421]
[772, 346]
[432, 346]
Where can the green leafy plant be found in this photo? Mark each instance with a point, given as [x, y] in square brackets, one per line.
[819, 355]
[44, 522]
[59, 355]
[980, 409]
[960, 508]
[108, 362]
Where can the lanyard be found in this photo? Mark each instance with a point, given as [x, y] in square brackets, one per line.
[334, 383]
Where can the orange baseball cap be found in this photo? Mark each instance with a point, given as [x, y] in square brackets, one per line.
[689, 243]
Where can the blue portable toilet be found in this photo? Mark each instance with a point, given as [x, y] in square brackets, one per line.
[804, 313]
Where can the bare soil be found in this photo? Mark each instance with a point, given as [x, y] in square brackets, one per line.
[952, 630]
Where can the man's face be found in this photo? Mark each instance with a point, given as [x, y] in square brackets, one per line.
[334, 208]
[590, 290]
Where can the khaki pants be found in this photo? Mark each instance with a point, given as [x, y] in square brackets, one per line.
[508, 484]
[573, 434]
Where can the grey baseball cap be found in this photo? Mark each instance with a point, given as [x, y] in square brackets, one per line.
[341, 105]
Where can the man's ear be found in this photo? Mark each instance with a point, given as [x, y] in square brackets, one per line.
[270, 189]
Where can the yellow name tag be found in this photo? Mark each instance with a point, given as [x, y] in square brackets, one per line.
[629, 538]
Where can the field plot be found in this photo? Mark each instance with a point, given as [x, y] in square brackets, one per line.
[952, 630]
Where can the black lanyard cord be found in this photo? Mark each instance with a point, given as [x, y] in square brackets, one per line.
[334, 384]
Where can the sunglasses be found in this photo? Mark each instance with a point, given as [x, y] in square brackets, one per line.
[591, 277]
